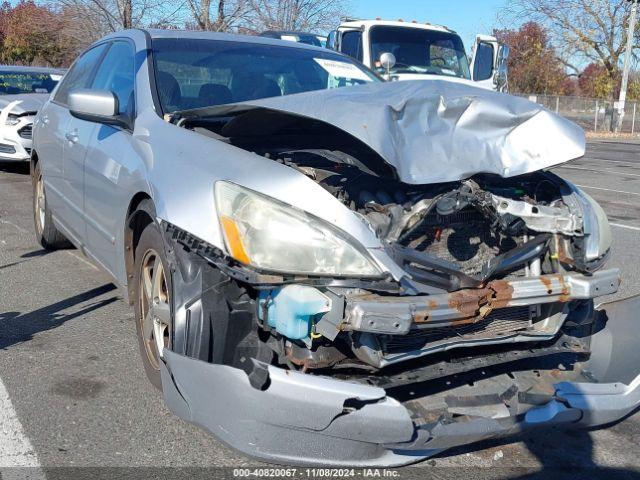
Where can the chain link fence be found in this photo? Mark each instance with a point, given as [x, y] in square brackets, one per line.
[591, 114]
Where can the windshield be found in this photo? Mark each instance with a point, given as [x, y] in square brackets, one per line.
[192, 73]
[419, 50]
[15, 82]
[302, 38]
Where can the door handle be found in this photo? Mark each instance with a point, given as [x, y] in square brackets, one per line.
[72, 136]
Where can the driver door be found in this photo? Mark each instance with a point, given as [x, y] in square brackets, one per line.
[109, 160]
[486, 63]
[350, 43]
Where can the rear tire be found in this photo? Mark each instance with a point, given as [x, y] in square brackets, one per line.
[47, 235]
[152, 301]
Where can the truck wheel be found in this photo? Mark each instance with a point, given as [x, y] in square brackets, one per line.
[152, 303]
[47, 234]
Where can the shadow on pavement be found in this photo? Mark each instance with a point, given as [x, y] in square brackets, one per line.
[36, 253]
[15, 167]
[16, 327]
[561, 454]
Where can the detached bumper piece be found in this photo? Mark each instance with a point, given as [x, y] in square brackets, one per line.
[304, 419]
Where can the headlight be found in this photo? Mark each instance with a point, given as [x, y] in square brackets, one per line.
[597, 230]
[270, 235]
[12, 120]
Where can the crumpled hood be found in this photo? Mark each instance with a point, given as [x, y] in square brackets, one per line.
[440, 131]
[29, 102]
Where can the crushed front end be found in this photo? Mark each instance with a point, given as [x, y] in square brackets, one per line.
[403, 277]
[491, 329]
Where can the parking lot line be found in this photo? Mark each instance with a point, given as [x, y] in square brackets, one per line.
[606, 189]
[15, 448]
[601, 171]
[610, 161]
[627, 227]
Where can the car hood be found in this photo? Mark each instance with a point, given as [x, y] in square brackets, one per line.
[436, 131]
[26, 102]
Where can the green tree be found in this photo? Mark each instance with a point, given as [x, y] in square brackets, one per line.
[533, 64]
[582, 31]
[30, 33]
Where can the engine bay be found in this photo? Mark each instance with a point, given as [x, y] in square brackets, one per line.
[468, 249]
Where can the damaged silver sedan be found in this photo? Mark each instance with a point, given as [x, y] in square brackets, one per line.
[329, 269]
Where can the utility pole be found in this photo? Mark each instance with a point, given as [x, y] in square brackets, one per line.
[627, 63]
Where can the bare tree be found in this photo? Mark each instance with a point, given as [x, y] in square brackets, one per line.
[97, 17]
[582, 31]
[229, 14]
[125, 12]
[304, 15]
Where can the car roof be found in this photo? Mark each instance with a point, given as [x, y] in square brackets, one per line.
[21, 68]
[228, 37]
[395, 23]
[288, 32]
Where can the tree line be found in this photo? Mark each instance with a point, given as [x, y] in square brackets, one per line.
[569, 47]
[566, 47]
[54, 32]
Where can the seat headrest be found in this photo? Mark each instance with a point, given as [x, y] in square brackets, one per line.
[168, 89]
[214, 94]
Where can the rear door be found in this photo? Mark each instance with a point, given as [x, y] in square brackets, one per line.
[62, 176]
[110, 159]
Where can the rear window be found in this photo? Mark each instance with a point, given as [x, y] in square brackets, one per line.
[193, 73]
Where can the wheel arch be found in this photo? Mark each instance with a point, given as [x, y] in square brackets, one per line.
[141, 212]
[33, 161]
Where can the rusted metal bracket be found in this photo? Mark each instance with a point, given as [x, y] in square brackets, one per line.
[398, 315]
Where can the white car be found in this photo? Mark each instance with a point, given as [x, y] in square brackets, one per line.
[23, 90]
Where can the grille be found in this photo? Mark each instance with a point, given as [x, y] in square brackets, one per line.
[26, 132]
[465, 239]
[500, 322]
[4, 148]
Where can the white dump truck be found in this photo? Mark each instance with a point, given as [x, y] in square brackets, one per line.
[403, 50]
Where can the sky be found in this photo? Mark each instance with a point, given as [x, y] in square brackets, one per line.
[467, 17]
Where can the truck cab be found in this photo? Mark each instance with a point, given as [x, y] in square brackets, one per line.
[401, 50]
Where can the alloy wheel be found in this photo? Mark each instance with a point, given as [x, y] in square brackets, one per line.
[40, 203]
[155, 315]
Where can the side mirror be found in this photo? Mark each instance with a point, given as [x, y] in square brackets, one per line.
[388, 61]
[99, 106]
[503, 53]
[332, 40]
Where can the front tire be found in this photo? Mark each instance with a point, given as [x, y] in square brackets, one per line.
[152, 303]
[47, 235]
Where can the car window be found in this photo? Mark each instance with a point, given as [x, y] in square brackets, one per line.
[444, 55]
[202, 73]
[116, 74]
[419, 50]
[80, 74]
[483, 66]
[352, 44]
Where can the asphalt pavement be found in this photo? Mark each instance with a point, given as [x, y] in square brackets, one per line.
[73, 393]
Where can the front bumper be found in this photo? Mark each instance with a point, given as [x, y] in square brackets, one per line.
[16, 140]
[376, 314]
[309, 420]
